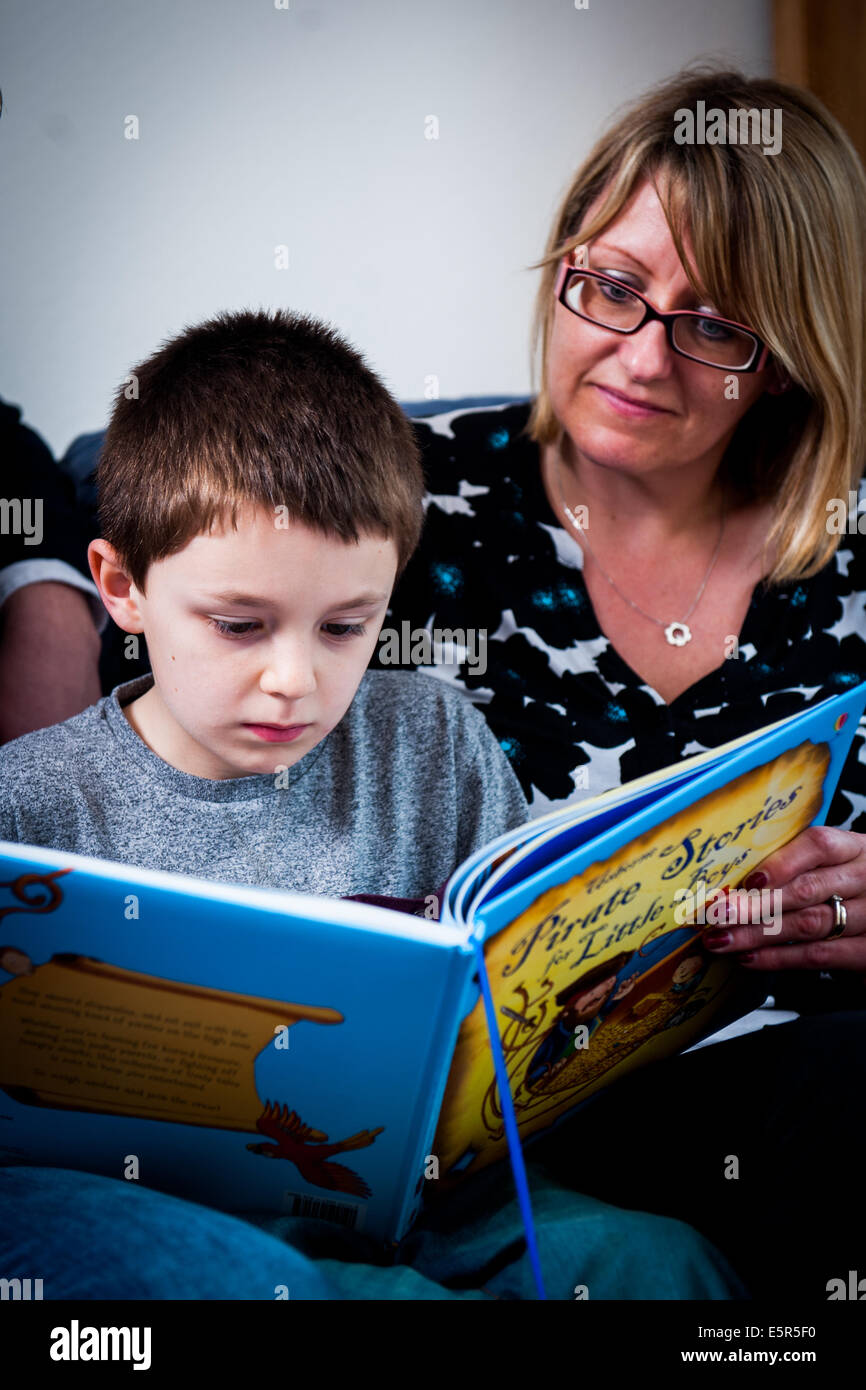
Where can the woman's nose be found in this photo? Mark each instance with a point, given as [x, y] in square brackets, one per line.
[647, 354]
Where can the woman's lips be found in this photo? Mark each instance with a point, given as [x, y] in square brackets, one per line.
[625, 406]
[273, 733]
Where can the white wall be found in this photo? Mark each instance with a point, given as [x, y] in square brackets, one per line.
[306, 127]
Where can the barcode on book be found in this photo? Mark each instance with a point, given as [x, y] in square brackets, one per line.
[341, 1212]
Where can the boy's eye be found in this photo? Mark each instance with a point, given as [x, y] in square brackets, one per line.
[232, 629]
[339, 631]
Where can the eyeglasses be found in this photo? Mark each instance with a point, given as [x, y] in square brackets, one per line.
[715, 342]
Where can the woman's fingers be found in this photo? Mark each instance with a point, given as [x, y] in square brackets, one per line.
[807, 869]
[843, 953]
[748, 928]
[783, 916]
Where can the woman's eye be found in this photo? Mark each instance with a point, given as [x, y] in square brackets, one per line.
[614, 293]
[344, 630]
[232, 629]
[711, 329]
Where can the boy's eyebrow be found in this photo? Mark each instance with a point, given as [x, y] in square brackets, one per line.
[367, 600]
[238, 598]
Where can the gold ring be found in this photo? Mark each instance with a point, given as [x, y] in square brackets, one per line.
[841, 918]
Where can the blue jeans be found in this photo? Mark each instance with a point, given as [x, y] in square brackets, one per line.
[786, 1102]
[97, 1237]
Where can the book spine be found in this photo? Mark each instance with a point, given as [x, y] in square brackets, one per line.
[422, 1164]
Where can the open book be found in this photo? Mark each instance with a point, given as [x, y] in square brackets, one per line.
[260, 1050]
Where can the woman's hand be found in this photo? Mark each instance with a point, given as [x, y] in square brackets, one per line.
[786, 924]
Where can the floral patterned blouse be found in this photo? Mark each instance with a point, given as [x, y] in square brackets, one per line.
[571, 715]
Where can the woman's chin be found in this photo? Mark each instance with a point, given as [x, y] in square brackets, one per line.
[610, 449]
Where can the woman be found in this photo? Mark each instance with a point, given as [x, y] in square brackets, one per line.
[652, 547]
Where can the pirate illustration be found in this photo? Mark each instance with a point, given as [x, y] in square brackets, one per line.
[586, 1001]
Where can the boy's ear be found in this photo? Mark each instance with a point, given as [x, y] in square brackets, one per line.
[116, 589]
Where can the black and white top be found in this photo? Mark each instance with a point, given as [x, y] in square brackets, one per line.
[572, 717]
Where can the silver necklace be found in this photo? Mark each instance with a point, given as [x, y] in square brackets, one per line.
[677, 633]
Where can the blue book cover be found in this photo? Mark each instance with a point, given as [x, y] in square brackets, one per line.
[260, 1050]
[242, 1047]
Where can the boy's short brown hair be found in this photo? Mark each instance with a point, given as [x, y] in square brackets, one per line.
[255, 407]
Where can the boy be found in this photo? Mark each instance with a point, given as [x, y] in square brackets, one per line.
[256, 500]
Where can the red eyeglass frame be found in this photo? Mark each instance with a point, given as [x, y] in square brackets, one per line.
[761, 353]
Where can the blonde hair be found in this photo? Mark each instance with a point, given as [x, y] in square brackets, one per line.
[778, 243]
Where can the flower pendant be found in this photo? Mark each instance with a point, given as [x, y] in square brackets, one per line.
[678, 634]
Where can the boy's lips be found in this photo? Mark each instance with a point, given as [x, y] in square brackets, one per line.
[277, 733]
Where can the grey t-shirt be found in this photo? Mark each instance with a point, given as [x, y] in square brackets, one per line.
[407, 785]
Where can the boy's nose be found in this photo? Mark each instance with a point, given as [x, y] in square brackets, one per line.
[290, 672]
